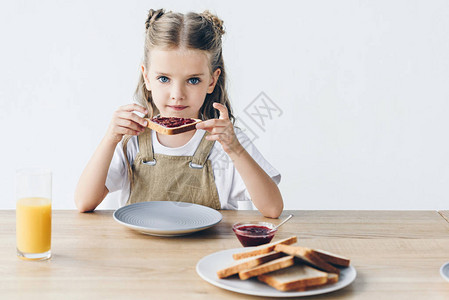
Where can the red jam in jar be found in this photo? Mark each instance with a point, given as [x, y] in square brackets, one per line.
[253, 235]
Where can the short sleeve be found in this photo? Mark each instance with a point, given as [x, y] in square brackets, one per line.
[117, 173]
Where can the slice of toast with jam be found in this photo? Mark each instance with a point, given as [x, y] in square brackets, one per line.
[172, 125]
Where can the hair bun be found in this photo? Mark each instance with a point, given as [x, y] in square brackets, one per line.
[214, 20]
[153, 15]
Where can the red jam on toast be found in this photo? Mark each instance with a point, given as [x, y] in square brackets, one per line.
[172, 125]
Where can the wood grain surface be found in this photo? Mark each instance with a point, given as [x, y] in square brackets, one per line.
[397, 255]
[444, 214]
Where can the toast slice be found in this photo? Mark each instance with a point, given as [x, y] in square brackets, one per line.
[307, 255]
[332, 258]
[274, 265]
[331, 278]
[248, 263]
[296, 277]
[264, 248]
[172, 125]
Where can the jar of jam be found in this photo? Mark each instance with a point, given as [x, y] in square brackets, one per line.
[254, 233]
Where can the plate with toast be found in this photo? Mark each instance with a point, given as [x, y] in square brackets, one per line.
[167, 218]
[277, 269]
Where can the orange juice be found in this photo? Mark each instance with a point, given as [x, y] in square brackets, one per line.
[33, 225]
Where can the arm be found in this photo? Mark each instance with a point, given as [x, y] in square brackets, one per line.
[91, 189]
[263, 190]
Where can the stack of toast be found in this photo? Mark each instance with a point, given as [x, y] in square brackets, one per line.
[286, 266]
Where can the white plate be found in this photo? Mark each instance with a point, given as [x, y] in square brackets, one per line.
[167, 218]
[208, 266]
[444, 271]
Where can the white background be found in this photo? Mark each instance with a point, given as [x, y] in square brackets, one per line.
[363, 87]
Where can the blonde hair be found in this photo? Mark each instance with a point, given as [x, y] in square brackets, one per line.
[199, 31]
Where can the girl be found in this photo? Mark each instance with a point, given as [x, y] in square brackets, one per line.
[182, 75]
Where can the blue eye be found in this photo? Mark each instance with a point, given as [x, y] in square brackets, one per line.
[194, 80]
[163, 79]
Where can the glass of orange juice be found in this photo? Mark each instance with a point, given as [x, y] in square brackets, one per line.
[33, 213]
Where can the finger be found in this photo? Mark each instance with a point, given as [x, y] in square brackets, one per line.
[219, 137]
[223, 111]
[132, 116]
[126, 123]
[211, 123]
[124, 130]
[227, 144]
[213, 137]
[134, 107]
[226, 130]
[217, 130]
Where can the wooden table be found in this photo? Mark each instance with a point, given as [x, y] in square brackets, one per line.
[397, 255]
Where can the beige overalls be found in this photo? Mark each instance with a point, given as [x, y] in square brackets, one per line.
[160, 177]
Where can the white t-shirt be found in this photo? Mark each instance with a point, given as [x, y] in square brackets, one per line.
[230, 186]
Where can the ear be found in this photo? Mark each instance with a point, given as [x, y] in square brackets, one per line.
[145, 77]
[214, 81]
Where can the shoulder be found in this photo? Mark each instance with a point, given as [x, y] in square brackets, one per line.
[131, 146]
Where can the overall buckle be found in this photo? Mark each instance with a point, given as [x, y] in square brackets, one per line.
[150, 162]
[195, 166]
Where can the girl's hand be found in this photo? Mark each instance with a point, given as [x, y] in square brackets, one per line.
[125, 121]
[222, 130]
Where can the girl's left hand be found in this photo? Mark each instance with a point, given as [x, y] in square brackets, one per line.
[222, 130]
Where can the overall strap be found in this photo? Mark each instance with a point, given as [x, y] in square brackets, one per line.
[146, 147]
[202, 153]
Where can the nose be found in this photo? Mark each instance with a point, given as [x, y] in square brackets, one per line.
[177, 92]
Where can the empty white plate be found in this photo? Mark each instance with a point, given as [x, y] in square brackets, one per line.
[167, 218]
[444, 271]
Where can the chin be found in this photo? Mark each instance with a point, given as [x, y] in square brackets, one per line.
[179, 114]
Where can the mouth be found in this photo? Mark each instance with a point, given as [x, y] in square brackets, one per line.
[177, 107]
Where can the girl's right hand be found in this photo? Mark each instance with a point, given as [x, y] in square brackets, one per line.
[125, 121]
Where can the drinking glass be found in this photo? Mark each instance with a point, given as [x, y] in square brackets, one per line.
[33, 213]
